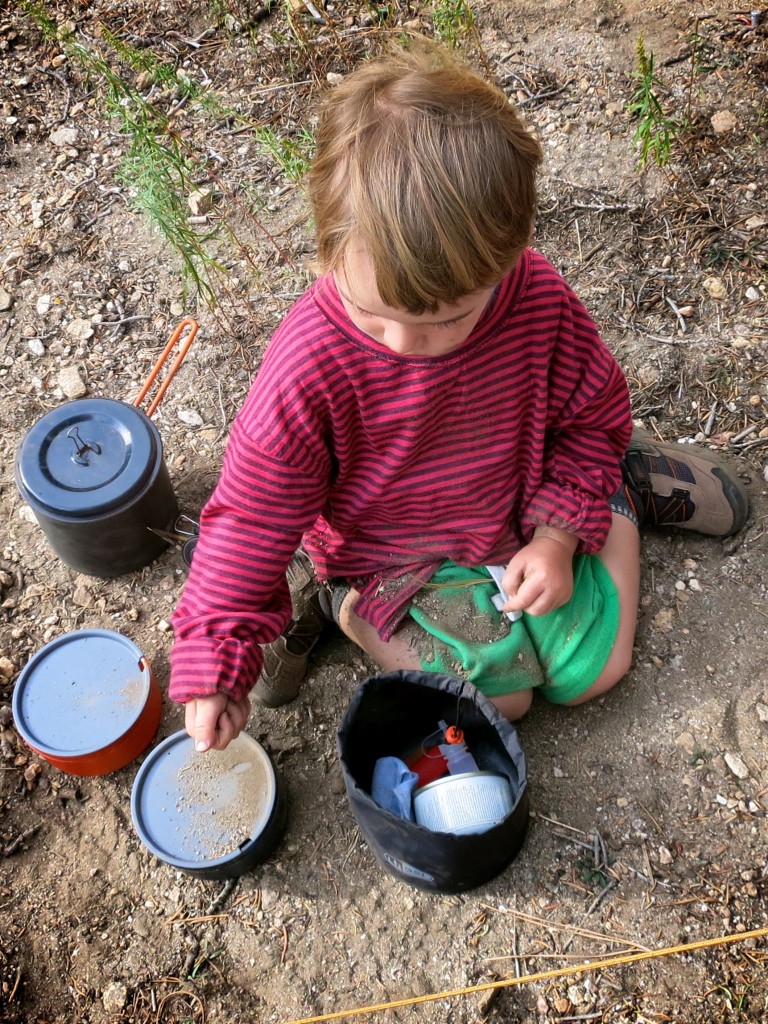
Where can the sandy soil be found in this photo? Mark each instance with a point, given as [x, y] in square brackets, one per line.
[648, 807]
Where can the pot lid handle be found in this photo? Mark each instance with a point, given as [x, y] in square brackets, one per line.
[192, 325]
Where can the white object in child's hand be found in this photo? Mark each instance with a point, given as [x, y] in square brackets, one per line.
[500, 599]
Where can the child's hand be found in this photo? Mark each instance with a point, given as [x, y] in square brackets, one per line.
[540, 576]
[213, 722]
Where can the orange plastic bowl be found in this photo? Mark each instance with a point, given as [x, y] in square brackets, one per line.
[88, 702]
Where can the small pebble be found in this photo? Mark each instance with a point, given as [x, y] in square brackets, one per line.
[737, 766]
[80, 330]
[716, 287]
[71, 383]
[115, 997]
[723, 121]
[190, 417]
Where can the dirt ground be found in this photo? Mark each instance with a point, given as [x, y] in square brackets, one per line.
[648, 807]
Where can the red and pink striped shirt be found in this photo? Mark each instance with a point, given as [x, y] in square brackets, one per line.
[384, 465]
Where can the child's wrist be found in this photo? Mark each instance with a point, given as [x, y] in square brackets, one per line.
[568, 540]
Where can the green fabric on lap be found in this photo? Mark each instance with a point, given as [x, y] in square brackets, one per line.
[561, 653]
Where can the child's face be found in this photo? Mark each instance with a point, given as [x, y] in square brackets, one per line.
[424, 334]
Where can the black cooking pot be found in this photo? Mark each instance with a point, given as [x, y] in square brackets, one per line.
[93, 473]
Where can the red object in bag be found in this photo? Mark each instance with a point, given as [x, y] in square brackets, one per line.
[430, 766]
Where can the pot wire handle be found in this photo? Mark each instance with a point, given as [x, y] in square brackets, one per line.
[193, 326]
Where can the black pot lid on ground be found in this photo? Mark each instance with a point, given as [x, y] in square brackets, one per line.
[87, 458]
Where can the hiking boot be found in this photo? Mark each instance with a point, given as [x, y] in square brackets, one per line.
[287, 659]
[683, 485]
[302, 583]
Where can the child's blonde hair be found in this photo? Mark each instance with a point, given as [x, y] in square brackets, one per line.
[431, 169]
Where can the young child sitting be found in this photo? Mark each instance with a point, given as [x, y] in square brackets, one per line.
[438, 401]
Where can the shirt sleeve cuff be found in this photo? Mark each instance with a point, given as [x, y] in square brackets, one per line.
[205, 666]
[584, 515]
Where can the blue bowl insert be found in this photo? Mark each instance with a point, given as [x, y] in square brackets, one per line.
[205, 812]
[80, 693]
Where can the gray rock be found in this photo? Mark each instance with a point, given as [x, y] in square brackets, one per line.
[141, 925]
[64, 137]
[190, 417]
[79, 329]
[737, 766]
[115, 997]
[71, 383]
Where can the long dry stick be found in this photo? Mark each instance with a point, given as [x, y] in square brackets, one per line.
[561, 972]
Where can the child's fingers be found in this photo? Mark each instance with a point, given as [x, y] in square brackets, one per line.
[525, 595]
[226, 730]
[232, 722]
[538, 596]
[513, 577]
[239, 712]
[213, 722]
[200, 719]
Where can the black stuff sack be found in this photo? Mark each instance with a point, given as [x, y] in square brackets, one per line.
[391, 714]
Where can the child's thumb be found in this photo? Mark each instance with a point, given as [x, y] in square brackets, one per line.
[203, 726]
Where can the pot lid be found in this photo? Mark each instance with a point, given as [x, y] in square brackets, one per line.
[80, 693]
[196, 811]
[87, 457]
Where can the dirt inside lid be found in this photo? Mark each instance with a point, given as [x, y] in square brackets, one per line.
[222, 794]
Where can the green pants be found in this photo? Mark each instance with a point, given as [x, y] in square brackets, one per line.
[561, 653]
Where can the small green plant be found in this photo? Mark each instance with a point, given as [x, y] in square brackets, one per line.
[157, 169]
[47, 25]
[205, 960]
[736, 1002]
[452, 19]
[382, 11]
[292, 155]
[590, 874]
[655, 130]
[698, 756]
